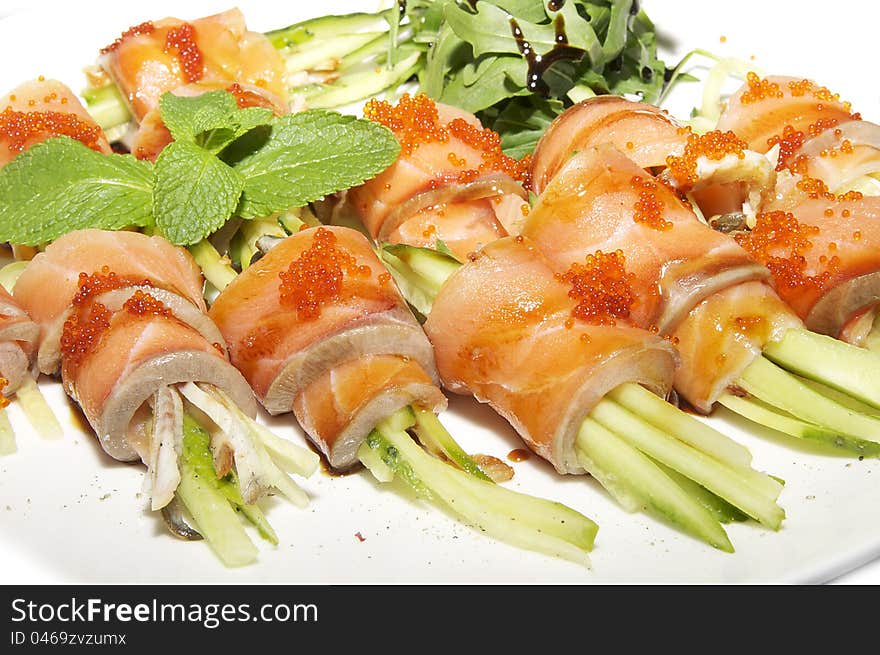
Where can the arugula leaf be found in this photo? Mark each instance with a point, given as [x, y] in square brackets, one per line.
[195, 193]
[310, 155]
[60, 185]
[522, 122]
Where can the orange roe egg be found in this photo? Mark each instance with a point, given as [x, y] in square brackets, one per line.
[649, 207]
[602, 288]
[19, 127]
[82, 333]
[759, 89]
[714, 145]
[100, 282]
[316, 277]
[415, 120]
[790, 141]
[182, 42]
[146, 27]
[4, 401]
[143, 304]
[778, 241]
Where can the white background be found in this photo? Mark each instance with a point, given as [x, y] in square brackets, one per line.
[70, 514]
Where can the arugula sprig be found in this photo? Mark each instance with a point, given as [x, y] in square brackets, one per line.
[224, 162]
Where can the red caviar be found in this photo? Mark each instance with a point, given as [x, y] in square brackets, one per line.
[649, 208]
[146, 27]
[602, 288]
[20, 127]
[759, 89]
[316, 277]
[143, 304]
[182, 42]
[82, 332]
[778, 241]
[714, 145]
[415, 120]
[101, 282]
[4, 401]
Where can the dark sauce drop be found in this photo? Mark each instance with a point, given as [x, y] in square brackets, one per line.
[555, 5]
[518, 455]
[401, 7]
[537, 63]
[647, 73]
[634, 8]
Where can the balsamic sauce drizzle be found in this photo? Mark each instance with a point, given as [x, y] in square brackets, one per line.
[538, 63]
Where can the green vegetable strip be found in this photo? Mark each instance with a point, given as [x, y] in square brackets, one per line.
[661, 414]
[783, 390]
[215, 267]
[839, 365]
[623, 470]
[37, 410]
[719, 508]
[697, 466]
[525, 521]
[779, 420]
[437, 439]
[209, 506]
[7, 435]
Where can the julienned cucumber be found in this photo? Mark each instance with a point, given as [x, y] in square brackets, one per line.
[525, 521]
[210, 501]
[631, 476]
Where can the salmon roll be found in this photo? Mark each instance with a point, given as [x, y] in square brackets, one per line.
[317, 300]
[148, 368]
[451, 182]
[41, 109]
[155, 57]
[116, 264]
[318, 328]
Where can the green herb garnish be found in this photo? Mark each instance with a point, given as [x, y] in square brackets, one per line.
[223, 162]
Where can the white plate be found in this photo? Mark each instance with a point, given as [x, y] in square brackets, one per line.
[70, 514]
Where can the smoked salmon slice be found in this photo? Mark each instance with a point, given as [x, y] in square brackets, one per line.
[155, 57]
[18, 342]
[40, 109]
[645, 133]
[503, 331]
[782, 110]
[451, 179]
[342, 405]
[600, 200]
[309, 320]
[48, 286]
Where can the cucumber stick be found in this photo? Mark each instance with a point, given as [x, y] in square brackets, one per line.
[525, 521]
[699, 467]
[633, 473]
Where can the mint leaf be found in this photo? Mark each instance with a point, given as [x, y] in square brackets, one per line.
[211, 120]
[60, 185]
[188, 117]
[310, 155]
[195, 193]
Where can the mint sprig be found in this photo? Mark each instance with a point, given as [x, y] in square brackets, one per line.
[61, 185]
[223, 162]
[291, 169]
